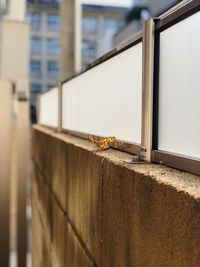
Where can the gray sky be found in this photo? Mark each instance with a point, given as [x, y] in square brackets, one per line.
[126, 3]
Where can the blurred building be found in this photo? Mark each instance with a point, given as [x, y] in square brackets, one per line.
[141, 10]
[3, 7]
[44, 65]
[99, 24]
[14, 116]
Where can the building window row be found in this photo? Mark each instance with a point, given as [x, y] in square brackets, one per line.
[112, 24]
[36, 45]
[53, 68]
[35, 88]
[52, 46]
[35, 19]
[89, 25]
[89, 49]
[53, 21]
[35, 68]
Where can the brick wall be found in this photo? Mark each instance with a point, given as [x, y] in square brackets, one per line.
[92, 209]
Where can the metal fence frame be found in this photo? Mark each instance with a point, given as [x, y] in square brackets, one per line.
[150, 38]
[126, 147]
[167, 158]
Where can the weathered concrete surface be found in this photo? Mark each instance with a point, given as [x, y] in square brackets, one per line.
[77, 189]
[40, 238]
[76, 256]
[58, 234]
[84, 197]
[59, 170]
[42, 199]
[116, 214]
[36, 238]
[146, 223]
[42, 154]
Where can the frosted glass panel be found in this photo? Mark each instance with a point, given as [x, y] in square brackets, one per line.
[49, 108]
[179, 91]
[106, 100]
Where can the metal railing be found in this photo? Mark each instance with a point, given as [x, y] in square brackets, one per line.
[144, 92]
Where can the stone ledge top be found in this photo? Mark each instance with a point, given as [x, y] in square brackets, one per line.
[181, 181]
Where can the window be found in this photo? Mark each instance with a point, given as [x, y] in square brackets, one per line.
[35, 90]
[53, 22]
[89, 24]
[36, 45]
[53, 46]
[35, 68]
[35, 20]
[4, 6]
[53, 68]
[88, 49]
[112, 25]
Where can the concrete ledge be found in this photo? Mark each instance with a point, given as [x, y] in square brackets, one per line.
[146, 223]
[116, 214]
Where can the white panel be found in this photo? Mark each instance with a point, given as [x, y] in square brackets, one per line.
[49, 108]
[106, 100]
[179, 92]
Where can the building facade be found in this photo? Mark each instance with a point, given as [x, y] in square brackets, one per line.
[99, 24]
[44, 46]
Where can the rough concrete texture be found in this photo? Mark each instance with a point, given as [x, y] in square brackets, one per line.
[58, 234]
[76, 256]
[59, 170]
[42, 153]
[40, 240]
[84, 197]
[151, 224]
[42, 201]
[36, 238]
[117, 214]
[79, 186]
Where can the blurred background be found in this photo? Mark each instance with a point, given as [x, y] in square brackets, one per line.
[102, 25]
[41, 43]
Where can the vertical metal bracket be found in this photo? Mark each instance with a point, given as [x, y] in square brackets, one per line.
[147, 90]
[59, 106]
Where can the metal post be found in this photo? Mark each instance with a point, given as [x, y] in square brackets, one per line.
[59, 107]
[147, 90]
